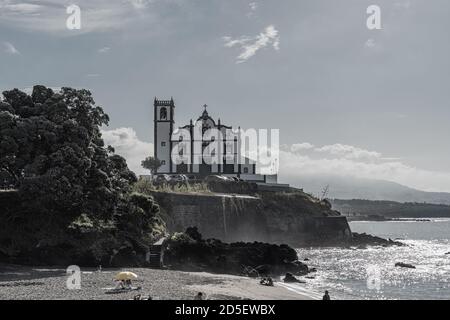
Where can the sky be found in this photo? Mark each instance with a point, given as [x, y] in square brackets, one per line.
[347, 100]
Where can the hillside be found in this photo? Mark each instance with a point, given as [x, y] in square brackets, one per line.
[390, 209]
[356, 188]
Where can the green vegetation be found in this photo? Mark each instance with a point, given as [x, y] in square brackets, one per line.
[152, 164]
[74, 201]
[146, 186]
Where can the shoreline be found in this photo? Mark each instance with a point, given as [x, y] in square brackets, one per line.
[249, 288]
[49, 283]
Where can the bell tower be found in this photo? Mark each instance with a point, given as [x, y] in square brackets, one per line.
[164, 111]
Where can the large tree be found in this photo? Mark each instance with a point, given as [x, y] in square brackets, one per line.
[52, 149]
[68, 181]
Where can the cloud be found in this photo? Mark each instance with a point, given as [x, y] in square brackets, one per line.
[253, 7]
[50, 15]
[351, 161]
[140, 4]
[302, 159]
[127, 144]
[104, 50]
[10, 49]
[251, 45]
[403, 4]
[18, 8]
[297, 147]
[349, 152]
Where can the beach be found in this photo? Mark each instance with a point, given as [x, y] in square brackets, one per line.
[46, 283]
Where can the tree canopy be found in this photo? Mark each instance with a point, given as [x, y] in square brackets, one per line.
[152, 164]
[52, 152]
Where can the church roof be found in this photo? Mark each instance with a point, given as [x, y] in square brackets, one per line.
[164, 103]
[205, 116]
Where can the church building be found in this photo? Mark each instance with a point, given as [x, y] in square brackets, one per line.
[167, 140]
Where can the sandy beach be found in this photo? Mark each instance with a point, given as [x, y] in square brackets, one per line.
[46, 283]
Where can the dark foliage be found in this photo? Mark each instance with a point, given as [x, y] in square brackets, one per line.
[75, 194]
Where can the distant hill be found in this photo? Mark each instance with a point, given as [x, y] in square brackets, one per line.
[390, 209]
[354, 188]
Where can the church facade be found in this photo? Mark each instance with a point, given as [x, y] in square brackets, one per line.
[188, 149]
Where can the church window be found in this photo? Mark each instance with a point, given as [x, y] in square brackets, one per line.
[163, 114]
[245, 170]
[163, 162]
[163, 143]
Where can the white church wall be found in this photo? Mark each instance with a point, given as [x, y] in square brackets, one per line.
[163, 151]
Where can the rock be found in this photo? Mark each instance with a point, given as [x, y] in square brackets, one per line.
[404, 265]
[362, 240]
[306, 259]
[448, 252]
[193, 233]
[249, 259]
[289, 278]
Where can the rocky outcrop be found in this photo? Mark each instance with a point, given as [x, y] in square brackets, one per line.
[404, 265]
[189, 252]
[289, 278]
[363, 240]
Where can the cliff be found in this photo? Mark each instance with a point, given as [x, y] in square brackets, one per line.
[291, 217]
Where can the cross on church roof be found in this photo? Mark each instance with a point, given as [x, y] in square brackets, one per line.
[205, 114]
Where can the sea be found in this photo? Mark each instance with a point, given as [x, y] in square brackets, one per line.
[370, 274]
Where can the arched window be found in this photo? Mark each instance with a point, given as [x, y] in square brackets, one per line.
[246, 170]
[163, 114]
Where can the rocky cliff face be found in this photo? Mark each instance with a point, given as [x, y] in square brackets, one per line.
[292, 217]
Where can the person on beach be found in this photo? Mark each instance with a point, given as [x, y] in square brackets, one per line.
[326, 296]
[199, 296]
[120, 285]
[267, 281]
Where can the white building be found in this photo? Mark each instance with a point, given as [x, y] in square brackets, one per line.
[195, 138]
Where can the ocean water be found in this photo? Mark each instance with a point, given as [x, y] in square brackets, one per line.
[371, 273]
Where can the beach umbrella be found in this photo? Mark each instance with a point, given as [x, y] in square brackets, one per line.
[126, 275]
